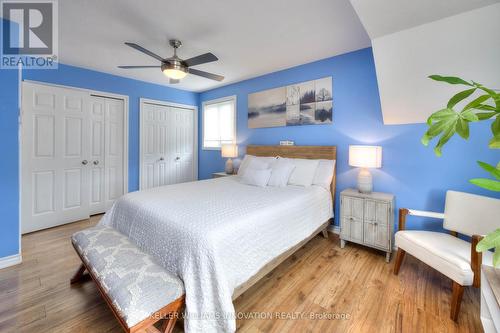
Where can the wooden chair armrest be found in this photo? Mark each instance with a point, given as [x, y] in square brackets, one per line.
[403, 212]
[425, 213]
[476, 260]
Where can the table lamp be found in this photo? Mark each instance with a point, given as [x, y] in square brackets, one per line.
[365, 157]
[229, 151]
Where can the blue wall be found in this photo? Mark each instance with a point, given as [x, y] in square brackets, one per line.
[9, 167]
[411, 171]
[89, 79]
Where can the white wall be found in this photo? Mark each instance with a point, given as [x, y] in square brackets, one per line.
[465, 45]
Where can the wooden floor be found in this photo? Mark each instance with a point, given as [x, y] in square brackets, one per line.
[351, 289]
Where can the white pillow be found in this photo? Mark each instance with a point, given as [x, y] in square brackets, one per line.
[256, 177]
[324, 174]
[304, 171]
[249, 158]
[281, 170]
[244, 164]
[258, 164]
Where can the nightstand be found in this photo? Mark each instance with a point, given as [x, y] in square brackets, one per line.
[367, 219]
[220, 174]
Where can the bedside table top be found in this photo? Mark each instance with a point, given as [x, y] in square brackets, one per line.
[374, 195]
[222, 174]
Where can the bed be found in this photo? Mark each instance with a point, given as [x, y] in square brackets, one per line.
[221, 236]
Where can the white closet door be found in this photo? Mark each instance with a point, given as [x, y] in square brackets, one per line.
[72, 155]
[162, 167]
[183, 127]
[149, 146]
[55, 166]
[156, 143]
[167, 145]
[114, 150]
[97, 172]
[106, 161]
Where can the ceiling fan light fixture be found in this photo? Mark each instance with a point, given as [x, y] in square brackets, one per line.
[175, 74]
[174, 70]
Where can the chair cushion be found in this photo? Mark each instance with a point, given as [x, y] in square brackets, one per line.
[445, 253]
[135, 284]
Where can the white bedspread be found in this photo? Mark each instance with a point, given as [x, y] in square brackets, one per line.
[216, 234]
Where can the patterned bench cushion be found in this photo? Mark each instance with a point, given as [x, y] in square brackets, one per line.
[135, 284]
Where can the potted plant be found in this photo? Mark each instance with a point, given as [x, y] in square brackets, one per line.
[448, 121]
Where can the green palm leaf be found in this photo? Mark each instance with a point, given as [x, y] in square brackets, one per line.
[489, 184]
[490, 241]
[450, 80]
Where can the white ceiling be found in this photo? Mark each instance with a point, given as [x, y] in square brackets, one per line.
[382, 17]
[250, 38]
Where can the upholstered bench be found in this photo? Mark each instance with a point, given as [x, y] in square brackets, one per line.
[138, 291]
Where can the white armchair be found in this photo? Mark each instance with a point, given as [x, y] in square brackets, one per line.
[467, 214]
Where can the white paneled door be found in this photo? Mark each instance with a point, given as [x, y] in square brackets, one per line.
[182, 130]
[114, 150]
[97, 142]
[167, 144]
[66, 145]
[106, 152]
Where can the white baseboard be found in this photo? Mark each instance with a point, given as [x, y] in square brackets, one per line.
[334, 228]
[10, 261]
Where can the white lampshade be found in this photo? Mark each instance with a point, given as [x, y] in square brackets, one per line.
[229, 150]
[365, 156]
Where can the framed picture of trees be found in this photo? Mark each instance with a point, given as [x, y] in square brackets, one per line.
[305, 103]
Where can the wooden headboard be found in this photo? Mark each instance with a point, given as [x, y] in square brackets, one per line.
[310, 152]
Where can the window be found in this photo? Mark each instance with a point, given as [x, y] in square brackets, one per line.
[219, 122]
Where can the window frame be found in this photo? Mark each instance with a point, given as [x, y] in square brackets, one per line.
[232, 99]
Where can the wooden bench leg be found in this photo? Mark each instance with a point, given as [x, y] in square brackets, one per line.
[79, 275]
[456, 300]
[168, 324]
[399, 259]
[325, 233]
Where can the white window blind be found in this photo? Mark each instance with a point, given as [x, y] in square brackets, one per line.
[219, 123]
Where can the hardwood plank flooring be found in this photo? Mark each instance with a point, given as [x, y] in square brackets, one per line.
[350, 289]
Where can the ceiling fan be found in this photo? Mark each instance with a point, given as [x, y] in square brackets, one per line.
[176, 68]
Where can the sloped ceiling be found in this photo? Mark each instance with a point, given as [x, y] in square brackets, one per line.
[414, 39]
[383, 17]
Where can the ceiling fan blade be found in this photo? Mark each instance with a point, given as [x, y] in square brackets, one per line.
[201, 59]
[129, 67]
[172, 81]
[206, 74]
[143, 50]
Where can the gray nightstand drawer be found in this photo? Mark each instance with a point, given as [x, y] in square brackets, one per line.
[352, 207]
[376, 211]
[377, 235]
[352, 229]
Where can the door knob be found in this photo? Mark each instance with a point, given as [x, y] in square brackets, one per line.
[96, 162]
[84, 162]
[177, 158]
[161, 158]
